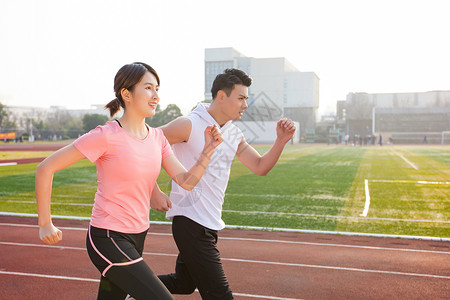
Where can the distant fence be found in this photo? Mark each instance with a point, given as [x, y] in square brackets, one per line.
[437, 138]
[41, 134]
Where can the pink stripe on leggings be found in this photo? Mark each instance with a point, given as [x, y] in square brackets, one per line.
[111, 264]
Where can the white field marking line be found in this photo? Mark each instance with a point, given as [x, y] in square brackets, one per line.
[366, 188]
[8, 164]
[326, 197]
[52, 203]
[410, 163]
[226, 211]
[367, 204]
[97, 280]
[412, 181]
[333, 216]
[408, 237]
[12, 214]
[269, 263]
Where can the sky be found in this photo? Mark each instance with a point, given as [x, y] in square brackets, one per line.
[66, 53]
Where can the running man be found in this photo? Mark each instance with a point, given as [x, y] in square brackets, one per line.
[197, 214]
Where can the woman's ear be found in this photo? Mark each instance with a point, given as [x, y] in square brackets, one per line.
[126, 95]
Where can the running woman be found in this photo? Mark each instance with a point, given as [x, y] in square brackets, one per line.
[128, 155]
[197, 214]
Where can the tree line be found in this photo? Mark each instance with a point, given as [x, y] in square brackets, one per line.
[62, 125]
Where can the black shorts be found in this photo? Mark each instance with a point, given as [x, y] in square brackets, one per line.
[198, 264]
[118, 257]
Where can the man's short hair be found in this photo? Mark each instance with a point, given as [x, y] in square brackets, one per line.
[228, 79]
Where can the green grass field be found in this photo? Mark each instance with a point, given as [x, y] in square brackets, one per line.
[314, 187]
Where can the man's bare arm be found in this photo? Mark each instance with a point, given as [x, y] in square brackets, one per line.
[177, 131]
[261, 165]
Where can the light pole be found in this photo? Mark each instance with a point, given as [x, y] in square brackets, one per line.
[31, 137]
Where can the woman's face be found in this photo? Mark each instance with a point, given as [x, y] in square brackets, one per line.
[145, 95]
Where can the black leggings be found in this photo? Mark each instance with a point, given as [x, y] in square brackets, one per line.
[198, 263]
[118, 256]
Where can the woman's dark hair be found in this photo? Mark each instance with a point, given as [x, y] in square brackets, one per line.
[127, 78]
[228, 79]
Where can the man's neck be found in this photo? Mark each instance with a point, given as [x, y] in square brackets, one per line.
[217, 115]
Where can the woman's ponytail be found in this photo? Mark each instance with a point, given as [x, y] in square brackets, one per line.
[113, 106]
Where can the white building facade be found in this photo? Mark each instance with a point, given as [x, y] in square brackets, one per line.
[278, 90]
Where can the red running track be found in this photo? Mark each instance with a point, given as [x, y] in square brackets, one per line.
[258, 264]
[31, 147]
[28, 147]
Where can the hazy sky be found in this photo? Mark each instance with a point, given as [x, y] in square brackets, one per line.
[60, 52]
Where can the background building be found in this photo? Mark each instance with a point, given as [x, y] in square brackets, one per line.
[404, 117]
[22, 115]
[278, 90]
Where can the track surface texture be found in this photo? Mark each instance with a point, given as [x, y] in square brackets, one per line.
[258, 264]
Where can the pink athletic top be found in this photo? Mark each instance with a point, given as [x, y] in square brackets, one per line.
[127, 169]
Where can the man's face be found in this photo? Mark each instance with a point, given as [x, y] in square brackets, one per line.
[236, 103]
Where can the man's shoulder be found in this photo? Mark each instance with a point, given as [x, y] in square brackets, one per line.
[178, 122]
[178, 130]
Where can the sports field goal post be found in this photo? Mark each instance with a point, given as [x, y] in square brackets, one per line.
[445, 137]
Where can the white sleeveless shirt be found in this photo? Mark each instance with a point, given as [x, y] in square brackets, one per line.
[204, 203]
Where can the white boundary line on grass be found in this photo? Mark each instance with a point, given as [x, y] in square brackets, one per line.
[267, 213]
[412, 181]
[367, 204]
[410, 237]
[410, 163]
[366, 188]
[331, 216]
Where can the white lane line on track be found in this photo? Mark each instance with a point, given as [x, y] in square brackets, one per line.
[340, 268]
[260, 240]
[8, 164]
[96, 280]
[410, 237]
[48, 276]
[256, 262]
[337, 245]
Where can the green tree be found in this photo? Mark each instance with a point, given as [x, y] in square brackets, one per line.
[60, 124]
[3, 113]
[162, 117]
[5, 123]
[90, 121]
